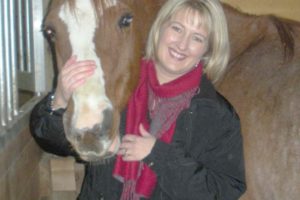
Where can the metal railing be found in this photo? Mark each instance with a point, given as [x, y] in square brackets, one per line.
[22, 55]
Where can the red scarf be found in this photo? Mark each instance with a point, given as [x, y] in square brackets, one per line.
[139, 180]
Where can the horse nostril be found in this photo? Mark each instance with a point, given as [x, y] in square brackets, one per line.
[107, 122]
[89, 139]
[92, 143]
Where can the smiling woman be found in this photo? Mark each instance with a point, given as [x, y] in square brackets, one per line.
[181, 46]
[176, 122]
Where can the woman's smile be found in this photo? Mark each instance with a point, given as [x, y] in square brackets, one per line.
[176, 55]
[182, 43]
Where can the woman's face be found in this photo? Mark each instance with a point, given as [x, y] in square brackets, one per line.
[183, 41]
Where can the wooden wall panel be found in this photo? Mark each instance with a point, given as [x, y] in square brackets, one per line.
[20, 158]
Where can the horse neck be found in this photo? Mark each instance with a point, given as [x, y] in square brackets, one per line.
[244, 30]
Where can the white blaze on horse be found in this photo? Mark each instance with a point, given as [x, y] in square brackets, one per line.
[91, 116]
[262, 82]
[91, 98]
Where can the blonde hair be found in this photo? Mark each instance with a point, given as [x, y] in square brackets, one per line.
[216, 58]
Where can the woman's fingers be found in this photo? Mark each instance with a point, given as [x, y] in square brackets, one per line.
[78, 77]
[70, 61]
[78, 67]
[135, 147]
[76, 74]
[73, 74]
[127, 143]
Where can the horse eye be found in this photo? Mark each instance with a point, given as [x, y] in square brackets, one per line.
[49, 33]
[125, 20]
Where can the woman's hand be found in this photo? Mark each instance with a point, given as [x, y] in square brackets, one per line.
[136, 148]
[73, 74]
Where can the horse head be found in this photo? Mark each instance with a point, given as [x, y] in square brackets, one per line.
[112, 33]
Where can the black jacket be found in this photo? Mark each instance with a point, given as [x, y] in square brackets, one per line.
[203, 162]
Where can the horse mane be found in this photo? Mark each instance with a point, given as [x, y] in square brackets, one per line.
[284, 28]
[286, 35]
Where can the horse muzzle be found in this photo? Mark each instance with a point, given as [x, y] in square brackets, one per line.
[90, 131]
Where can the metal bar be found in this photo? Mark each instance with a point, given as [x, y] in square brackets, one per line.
[33, 48]
[25, 75]
[29, 38]
[2, 81]
[21, 41]
[9, 95]
[14, 59]
[40, 57]
[2, 68]
[21, 52]
[6, 56]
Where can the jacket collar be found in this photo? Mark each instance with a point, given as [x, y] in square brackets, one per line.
[207, 89]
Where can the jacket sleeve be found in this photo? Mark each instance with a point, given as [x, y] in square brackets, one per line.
[205, 158]
[47, 130]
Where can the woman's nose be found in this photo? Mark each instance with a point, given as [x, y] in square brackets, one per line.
[183, 42]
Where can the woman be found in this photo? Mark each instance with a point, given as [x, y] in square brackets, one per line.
[182, 138]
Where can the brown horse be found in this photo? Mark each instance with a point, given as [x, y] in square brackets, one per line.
[261, 82]
[113, 33]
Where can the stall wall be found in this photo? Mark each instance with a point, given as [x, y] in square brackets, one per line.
[287, 8]
[19, 168]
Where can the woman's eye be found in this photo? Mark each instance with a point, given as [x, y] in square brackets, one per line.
[198, 38]
[176, 28]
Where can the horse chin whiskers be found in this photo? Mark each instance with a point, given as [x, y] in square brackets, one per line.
[96, 160]
[96, 156]
[104, 154]
[92, 144]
